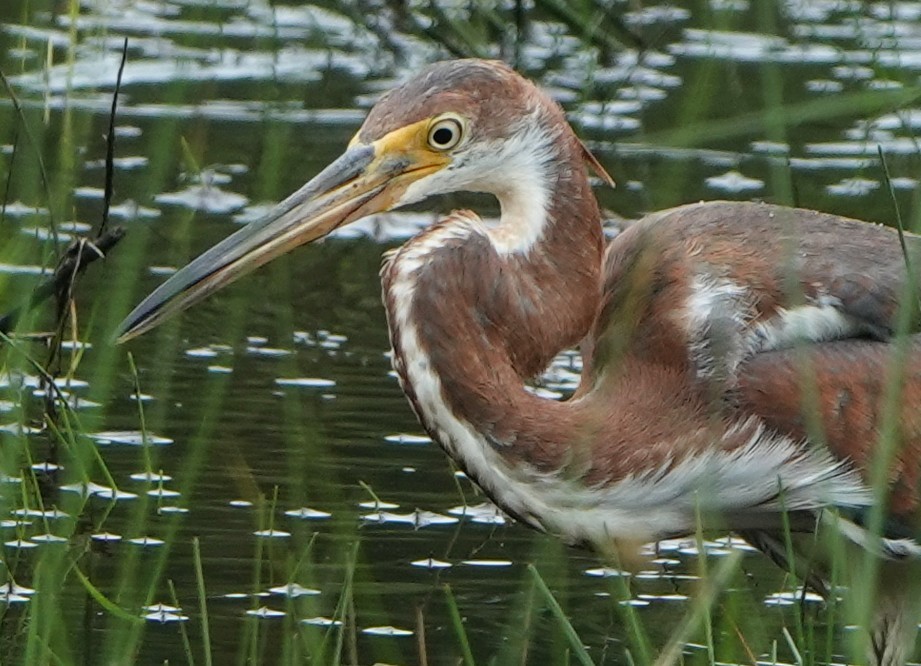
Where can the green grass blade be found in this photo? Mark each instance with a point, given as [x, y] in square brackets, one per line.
[813, 110]
[699, 613]
[458, 624]
[571, 636]
[183, 634]
[103, 601]
[202, 601]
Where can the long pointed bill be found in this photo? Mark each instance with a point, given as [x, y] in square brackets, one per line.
[364, 180]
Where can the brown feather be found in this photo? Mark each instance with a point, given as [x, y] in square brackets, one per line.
[836, 392]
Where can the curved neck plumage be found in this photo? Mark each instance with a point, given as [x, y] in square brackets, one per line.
[472, 317]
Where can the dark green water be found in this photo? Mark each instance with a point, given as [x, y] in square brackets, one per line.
[229, 105]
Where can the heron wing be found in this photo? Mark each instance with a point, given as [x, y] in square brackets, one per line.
[789, 316]
[791, 257]
[718, 279]
[858, 398]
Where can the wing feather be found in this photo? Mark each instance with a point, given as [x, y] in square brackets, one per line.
[859, 398]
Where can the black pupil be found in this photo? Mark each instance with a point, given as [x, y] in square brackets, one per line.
[443, 136]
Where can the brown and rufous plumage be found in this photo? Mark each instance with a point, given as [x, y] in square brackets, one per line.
[741, 360]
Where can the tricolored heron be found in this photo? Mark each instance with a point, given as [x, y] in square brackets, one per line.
[705, 330]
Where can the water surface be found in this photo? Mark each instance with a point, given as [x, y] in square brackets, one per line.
[276, 434]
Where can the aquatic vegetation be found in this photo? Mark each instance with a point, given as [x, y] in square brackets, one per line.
[250, 485]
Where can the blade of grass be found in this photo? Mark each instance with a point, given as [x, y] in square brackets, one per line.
[420, 636]
[9, 176]
[43, 172]
[202, 601]
[792, 645]
[700, 608]
[703, 572]
[900, 227]
[183, 634]
[556, 610]
[813, 110]
[341, 611]
[458, 623]
[103, 601]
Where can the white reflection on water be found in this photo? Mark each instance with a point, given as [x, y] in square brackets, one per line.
[791, 598]
[164, 614]
[418, 518]
[265, 612]
[11, 593]
[734, 182]
[853, 187]
[488, 564]
[207, 198]
[322, 622]
[405, 438]
[130, 438]
[386, 631]
[96, 490]
[294, 590]
[46, 514]
[305, 382]
[431, 563]
[20, 544]
[153, 477]
[106, 537]
[306, 513]
[485, 513]
[641, 85]
[48, 538]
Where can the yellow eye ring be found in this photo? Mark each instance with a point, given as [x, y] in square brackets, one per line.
[445, 133]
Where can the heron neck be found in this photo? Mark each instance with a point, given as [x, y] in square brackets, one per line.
[470, 324]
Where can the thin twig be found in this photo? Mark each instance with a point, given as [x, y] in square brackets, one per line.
[74, 261]
[81, 252]
[110, 145]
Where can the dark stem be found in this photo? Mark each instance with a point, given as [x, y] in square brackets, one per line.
[78, 256]
[110, 146]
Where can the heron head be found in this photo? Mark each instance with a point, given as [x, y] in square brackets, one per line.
[464, 125]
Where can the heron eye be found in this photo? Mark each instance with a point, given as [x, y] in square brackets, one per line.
[445, 134]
